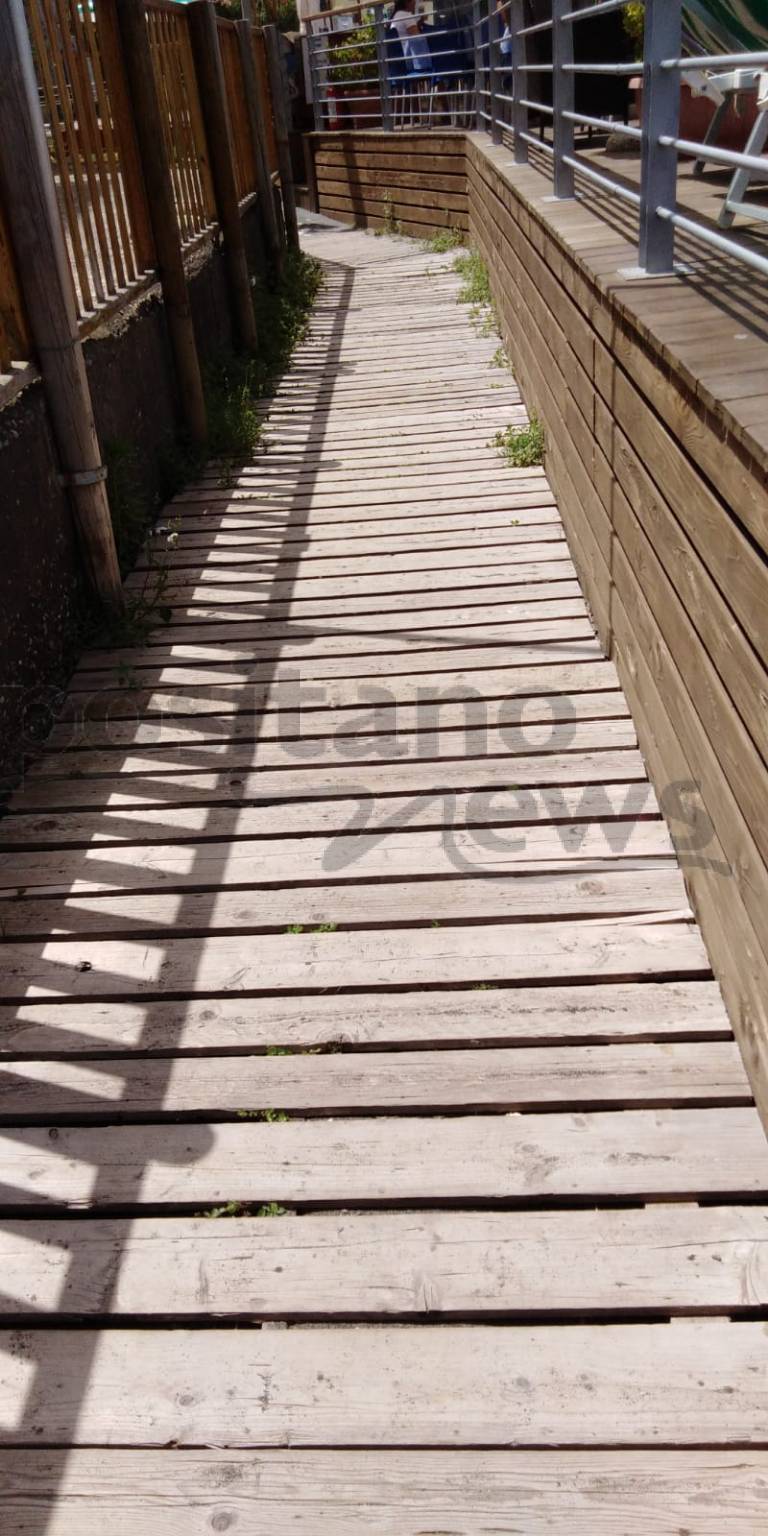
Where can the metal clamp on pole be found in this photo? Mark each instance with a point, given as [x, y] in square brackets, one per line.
[661, 120]
[84, 477]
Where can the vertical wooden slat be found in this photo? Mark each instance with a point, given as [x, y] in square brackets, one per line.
[14, 335]
[242, 143]
[278, 92]
[167, 80]
[83, 148]
[125, 135]
[57, 96]
[110, 178]
[142, 83]
[265, 96]
[208, 208]
[254, 102]
[204, 34]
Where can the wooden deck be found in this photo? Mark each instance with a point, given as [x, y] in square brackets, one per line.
[376, 1156]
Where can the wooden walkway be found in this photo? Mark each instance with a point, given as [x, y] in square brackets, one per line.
[376, 1156]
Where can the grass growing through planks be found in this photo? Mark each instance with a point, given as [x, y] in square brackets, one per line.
[444, 240]
[272, 1116]
[522, 447]
[389, 224]
[475, 290]
[239, 1208]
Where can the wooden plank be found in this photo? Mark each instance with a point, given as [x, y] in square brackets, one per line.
[628, 1154]
[117, 724]
[394, 1264]
[617, 891]
[246, 629]
[349, 854]
[277, 819]
[368, 1493]
[543, 952]
[507, 739]
[246, 585]
[696, 1383]
[403, 1082]
[499, 683]
[592, 1013]
[155, 784]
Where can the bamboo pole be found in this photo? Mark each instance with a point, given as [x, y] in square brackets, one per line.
[278, 91]
[29, 192]
[255, 109]
[218, 128]
[162, 212]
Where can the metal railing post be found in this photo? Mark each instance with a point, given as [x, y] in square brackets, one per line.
[477, 22]
[661, 116]
[494, 60]
[313, 56]
[563, 98]
[519, 80]
[382, 62]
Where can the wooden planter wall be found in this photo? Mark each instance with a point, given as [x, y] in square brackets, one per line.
[415, 180]
[665, 506]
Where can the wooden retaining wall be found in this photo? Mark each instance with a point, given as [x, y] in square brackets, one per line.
[414, 181]
[663, 495]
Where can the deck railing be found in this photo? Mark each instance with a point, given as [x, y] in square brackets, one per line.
[507, 66]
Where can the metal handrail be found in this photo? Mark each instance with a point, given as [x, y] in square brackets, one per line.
[482, 76]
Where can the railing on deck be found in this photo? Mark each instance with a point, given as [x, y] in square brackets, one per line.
[505, 66]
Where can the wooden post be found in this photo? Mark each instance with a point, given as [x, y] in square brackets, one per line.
[28, 188]
[278, 92]
[255, 109]
[218, 129]
[162, 212]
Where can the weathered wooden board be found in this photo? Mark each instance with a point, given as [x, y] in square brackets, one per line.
[504, 682]
[519, 1015]
[399, 1082]
[694, 1383]
[509, 741]
[444, 708]
[462, 1264]
[592, 802]
[628, 1154]
[369, 1493]
[155, 784]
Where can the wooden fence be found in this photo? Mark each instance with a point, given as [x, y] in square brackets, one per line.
[89, 120]
[129, 130]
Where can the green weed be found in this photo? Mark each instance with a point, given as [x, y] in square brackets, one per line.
[444, 240]
[272, 1209]
[476, 284]
[272, 1116]
[522, 447]
[295, 928]
[232, 1208]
